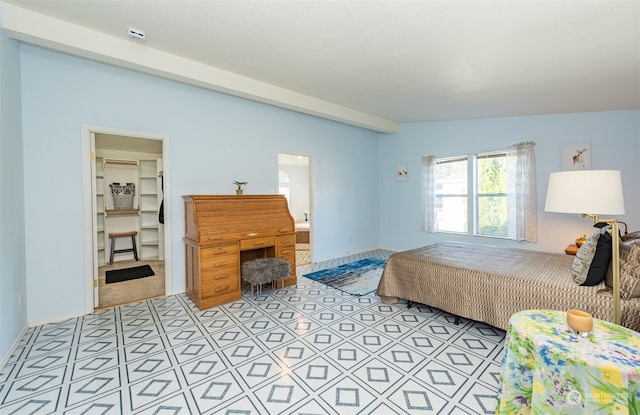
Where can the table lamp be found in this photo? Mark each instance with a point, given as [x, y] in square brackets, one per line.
[592, 193]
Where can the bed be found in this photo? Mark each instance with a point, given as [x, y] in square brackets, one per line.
[489, 283]
[302, 232]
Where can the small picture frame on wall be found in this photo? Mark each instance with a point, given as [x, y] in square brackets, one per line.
[402, 172]
[576, 156]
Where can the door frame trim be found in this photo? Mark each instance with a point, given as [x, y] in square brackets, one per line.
[310, 184]
[87, 209]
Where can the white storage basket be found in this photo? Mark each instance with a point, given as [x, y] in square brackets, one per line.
[123, 195]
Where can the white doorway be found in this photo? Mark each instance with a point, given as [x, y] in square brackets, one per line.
[140, 160]
[294, 181]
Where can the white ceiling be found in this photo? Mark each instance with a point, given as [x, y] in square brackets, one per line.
[403, 61]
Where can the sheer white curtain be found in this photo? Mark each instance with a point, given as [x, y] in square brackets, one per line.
[428, 194]
[521, 192]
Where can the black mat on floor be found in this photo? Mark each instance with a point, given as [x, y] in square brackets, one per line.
[126, 274]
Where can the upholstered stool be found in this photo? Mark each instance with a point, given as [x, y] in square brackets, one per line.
[133, 248]
[263, 270]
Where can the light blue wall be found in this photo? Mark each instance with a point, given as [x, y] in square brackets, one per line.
[214, 140]
[615, 144]
[13, 316]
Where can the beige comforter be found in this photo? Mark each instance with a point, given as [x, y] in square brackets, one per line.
[489, 283]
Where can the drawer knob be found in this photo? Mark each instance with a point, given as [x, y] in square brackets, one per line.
[215, 238]
[221, 277]
[220, 289]
[258, 243]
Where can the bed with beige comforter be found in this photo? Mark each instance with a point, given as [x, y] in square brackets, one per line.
[489, 284]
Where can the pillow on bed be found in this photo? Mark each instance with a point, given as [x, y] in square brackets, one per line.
[630, 236]
[592, 261]
[629, 269]
[602, 259]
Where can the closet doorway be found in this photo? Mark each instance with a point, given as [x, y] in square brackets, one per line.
[128, 194]
[294, 182]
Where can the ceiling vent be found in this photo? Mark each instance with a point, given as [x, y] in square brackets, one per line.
[135, 34]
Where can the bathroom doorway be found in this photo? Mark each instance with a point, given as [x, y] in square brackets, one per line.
[294, 182]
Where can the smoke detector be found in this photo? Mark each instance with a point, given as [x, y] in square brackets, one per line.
[135, 34]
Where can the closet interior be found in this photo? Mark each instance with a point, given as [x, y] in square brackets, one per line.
[129, 201]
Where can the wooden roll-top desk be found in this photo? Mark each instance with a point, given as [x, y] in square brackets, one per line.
[222, 232]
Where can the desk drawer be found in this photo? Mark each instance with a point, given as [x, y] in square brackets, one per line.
[217, 263]
[217, 251]
[284, 241]
[221, 288]
[223, 278]
[256, 243]
[286, 252]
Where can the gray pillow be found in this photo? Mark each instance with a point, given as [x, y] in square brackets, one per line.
[584, 257]
[629, 269]
[630, 236]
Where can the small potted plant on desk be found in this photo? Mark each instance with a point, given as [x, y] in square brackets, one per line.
[239, 187]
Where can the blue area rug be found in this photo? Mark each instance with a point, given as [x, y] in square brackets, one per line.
[357, 278]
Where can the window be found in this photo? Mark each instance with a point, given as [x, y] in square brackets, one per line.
[283, 184]
[487, 191]
[488, 194]
[451, 195]
[491, 212]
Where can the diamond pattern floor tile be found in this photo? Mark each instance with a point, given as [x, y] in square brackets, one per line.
[307, 349]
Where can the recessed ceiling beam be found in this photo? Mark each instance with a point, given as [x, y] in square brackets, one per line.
[48, 32]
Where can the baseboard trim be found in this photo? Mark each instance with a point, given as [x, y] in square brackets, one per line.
[7, 356]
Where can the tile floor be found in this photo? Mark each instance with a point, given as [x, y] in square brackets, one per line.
[308, 349]
[303, 256]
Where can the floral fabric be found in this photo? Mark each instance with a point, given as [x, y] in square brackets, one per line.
[548, 369]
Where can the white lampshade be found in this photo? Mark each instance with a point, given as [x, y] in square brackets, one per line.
[597, 192]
